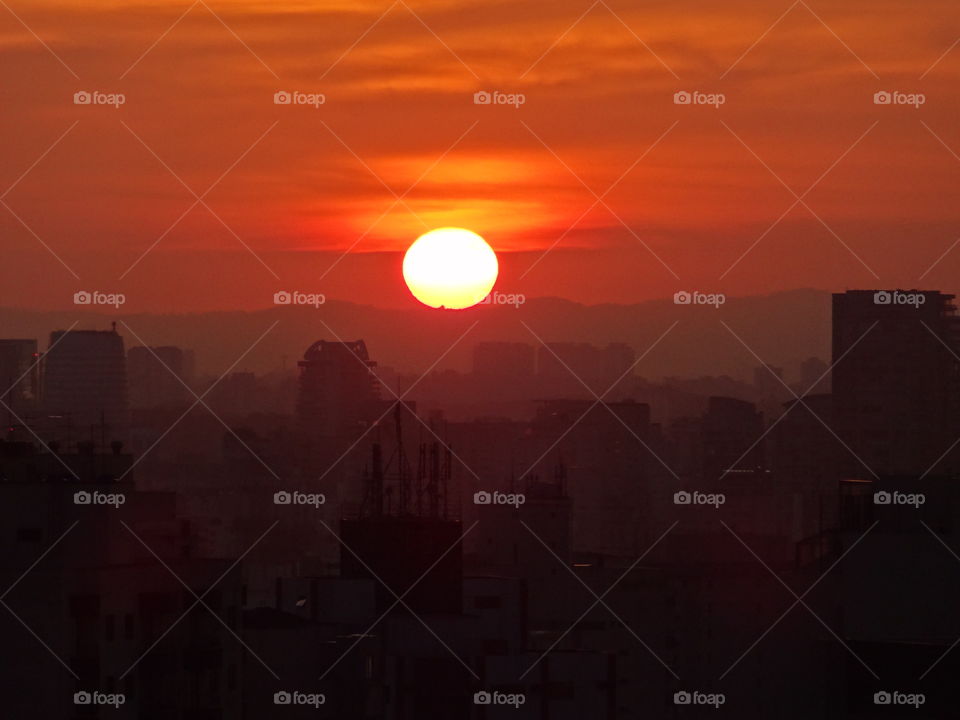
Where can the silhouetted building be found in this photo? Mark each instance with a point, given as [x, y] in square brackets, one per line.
[512, 541]
[19, 372]
[610, 464]
[567, 365]
[896, 380]
[814, 376]
[730, 432]
[804, 447]
[338, 391]
[108, 601]
[419, 554]
[157, 375]
[504, 360]
[85, 384]
[240, 393]
[768, 380]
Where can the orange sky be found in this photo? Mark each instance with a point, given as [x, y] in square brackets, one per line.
[305, 198]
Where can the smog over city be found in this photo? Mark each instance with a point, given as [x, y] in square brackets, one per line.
[461, 360]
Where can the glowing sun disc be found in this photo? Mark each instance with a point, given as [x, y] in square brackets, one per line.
[450, 268]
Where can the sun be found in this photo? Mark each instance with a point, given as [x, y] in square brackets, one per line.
[450, 268]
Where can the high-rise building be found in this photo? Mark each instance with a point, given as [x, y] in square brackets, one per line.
[503, 360]
[338, 398]
[338, 390]
[19, 373]
[104, 599]
[417, 558]
[814, 376]
[896, 380]
[153, 377]
[608, 455]
[85, 384]
[730, 431]
[616, 360]
[768, 379]
[564, 365]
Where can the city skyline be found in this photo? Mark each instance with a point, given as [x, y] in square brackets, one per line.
[685, 503]
[467, 359]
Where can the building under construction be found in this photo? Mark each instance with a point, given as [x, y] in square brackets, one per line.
[403, 536]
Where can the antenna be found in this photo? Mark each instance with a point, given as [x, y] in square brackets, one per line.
[376, 484]
[424, 495]
[403, 477]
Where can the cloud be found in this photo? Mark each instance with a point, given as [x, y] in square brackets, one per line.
[399, 94]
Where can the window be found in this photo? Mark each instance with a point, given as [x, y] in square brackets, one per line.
[108, 628]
